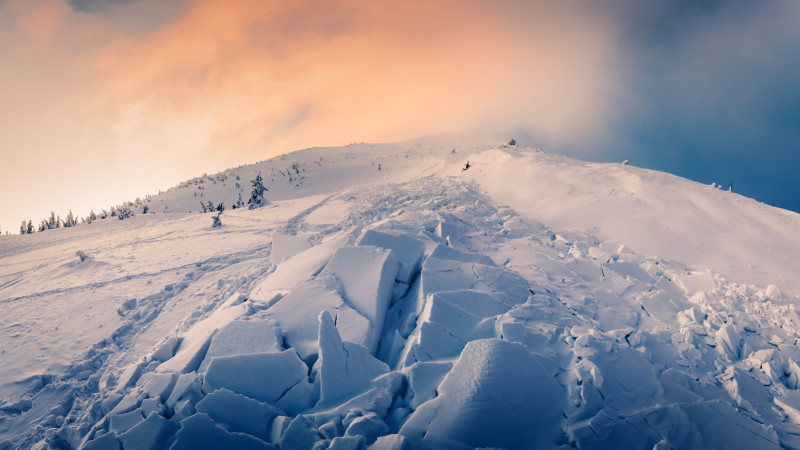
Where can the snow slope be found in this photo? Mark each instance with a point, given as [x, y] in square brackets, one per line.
[388, 298]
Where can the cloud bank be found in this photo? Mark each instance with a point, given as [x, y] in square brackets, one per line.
[138, 94]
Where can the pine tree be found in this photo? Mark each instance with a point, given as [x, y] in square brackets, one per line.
[51, 222]
[30, 227]
[70, 221]
[43, 226]
[145, 209]
[23, 229]
[257, 196]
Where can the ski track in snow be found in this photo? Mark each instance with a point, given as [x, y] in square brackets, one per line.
[457, 323]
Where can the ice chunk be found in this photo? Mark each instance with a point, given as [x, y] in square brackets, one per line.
[409, 251]
[445, 230]
[149, 405]
[630, 270]
[243, 336]
[147, 435]
[695, 282]
[729, 340]
[186, 383]
[497, 395]
[439, 275]
[297, 314]
[265, 377]
[458, 322]
[192, 348]
[157, 385]
[129, 376]
[301, 434]
[347, 443]
[369, 425]
[300, 397]
[789, 402]
[285, 246]
[120, 423]
[167, 349]
[481, 304]
[107, 441]
[423, 379]
[449, 253]
[344, 369]
[293, 271]
[239, 413]
[199, 431]
[391, 442]
[366, 275]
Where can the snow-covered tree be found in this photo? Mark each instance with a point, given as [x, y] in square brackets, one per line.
[23, 229]
[52, 222]
[30, 228]
[257, 195]
[216, 221]
[70, 220]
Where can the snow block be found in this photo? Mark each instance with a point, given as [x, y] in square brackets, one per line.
[423, 379]
[449, 253]
[366, 275]
[497, 395]
[297, 313]
[199, 431]
[186, 384]
[301, 434]
[167, 349]
[345, 369]
[298, 268]
[446, 230]
[299, 398]
[439, 275]
[370, 426]
[391, 442]
[695, 282]
[194, 345]
[261, 376]
[285, 246]
[157, 385]
[147, 435]
[239, 413]
[243, 336]
[120, 423]
[348, 443]
[409, 251]
[107, 441]
[481, 304]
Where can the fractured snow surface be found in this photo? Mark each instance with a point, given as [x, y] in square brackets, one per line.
[532, 301]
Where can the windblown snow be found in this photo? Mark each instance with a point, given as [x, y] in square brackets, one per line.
[386, 298]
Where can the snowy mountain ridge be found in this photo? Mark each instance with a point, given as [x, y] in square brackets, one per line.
[386, 297]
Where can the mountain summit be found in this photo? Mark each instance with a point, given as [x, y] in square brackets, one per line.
[444, 292]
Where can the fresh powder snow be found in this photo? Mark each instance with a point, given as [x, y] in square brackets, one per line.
[388, 297]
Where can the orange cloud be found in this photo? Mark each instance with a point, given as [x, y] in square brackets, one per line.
[256, 75]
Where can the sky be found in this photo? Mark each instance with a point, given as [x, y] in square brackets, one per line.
[103, 101]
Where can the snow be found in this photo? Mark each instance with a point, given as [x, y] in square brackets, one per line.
[530, 301]
[243, 336]
[366, 275]
[493, 397]
[265, 377]
[407, 250]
